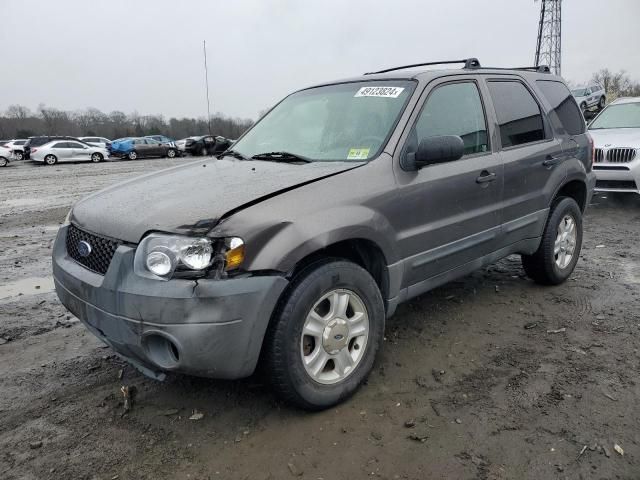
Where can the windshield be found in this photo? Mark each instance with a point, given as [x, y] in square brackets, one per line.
[346, 122]
[626, 115]
[579, 92]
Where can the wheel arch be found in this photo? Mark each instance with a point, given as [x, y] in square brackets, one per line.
[576, 189]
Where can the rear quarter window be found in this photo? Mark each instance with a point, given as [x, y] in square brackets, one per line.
[563, 105]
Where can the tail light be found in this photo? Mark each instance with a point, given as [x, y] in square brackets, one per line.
[34, 150]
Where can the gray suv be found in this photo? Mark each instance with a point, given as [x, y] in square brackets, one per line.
[290, 250]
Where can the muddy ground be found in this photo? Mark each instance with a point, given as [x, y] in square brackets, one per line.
[471, 382]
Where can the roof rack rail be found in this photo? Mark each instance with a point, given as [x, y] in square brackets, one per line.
[538, 68]
[468, 63]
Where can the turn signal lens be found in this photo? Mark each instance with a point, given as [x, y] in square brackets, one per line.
[234, 255]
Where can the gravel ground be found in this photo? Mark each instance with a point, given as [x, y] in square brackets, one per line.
[472, 382]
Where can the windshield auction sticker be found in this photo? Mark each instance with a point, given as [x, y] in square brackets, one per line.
[388, 92]
[358, 154]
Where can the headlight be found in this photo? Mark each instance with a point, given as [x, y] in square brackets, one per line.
[162, 256]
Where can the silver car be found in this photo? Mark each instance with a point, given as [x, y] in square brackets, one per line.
[96, 141]
[616, 137]
[68, 151]
[590, 96]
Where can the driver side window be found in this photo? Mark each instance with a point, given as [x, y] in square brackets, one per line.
[453, 109]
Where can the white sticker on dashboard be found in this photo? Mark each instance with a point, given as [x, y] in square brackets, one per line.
[388, 92]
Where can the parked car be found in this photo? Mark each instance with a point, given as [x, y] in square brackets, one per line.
[203, 145]
[162, 139]
[345, 200]
[616, 135]
[134, 148]
[17, 147]
[59, 151]
[44, 139]
[5, 156]
[590, 96]
[96, 141]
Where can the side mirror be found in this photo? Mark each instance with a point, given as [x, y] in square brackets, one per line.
[439, 149]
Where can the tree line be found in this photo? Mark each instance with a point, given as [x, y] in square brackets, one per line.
[19, 121]
[616, 84]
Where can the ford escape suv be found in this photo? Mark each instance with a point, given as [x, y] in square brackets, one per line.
[290, 250]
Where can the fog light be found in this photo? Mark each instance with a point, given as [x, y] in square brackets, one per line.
[159, 263]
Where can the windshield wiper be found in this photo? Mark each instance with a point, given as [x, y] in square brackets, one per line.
[232, 153]
[286, 157]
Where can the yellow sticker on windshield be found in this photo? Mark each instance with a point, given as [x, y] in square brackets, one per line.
[358, 154]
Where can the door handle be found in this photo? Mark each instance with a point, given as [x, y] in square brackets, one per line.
[551, 161]
[486, 177]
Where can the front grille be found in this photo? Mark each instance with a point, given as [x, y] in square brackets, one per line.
[102, 249]
[621, 155]
[599, 155]
[618, 184]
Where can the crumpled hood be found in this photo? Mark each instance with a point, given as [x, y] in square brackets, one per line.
[191, 198]
[616, 137]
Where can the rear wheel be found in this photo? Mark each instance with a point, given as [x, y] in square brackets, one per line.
[97, 157]
[50, 160]
[559, 249]
[602, 102]
[325, 334]
[132, 155]
[19, 155]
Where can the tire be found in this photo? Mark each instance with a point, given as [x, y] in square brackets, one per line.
[602, 103]
[171, 153]
[132, 155]
[97, 157]
[50, 160]
[19, 155]
[546, 266]
[203, 151]
[3, 162]
[288, 350]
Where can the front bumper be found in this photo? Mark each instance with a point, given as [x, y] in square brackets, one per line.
[618, 177]
[209, 328]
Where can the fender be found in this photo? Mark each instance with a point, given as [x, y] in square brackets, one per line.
[290, 242]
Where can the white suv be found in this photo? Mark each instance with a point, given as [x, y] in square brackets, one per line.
[590, 96]
[616, 137]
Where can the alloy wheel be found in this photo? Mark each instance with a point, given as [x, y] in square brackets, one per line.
[334, 336]
[565, 243]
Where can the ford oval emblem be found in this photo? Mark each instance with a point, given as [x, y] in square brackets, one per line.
[84, 249]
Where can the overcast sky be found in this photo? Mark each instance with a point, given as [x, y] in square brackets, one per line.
[146, 55]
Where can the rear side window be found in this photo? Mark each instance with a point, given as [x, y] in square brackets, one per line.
[519, 116]
[563, 105]
[61, 145]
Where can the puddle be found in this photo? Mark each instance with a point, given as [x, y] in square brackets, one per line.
[27, 286]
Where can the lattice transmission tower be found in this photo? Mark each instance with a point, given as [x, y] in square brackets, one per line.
[549, 45]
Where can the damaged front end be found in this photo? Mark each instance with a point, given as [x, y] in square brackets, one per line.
[209, 324]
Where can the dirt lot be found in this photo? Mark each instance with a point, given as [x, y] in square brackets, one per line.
[472, 382]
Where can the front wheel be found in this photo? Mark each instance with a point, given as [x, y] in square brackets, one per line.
[3, 162]
[559, 249]
[171, 153]
[50, 160]
[132, 155]
[602, 103]
[96, 157]
[325, 334]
